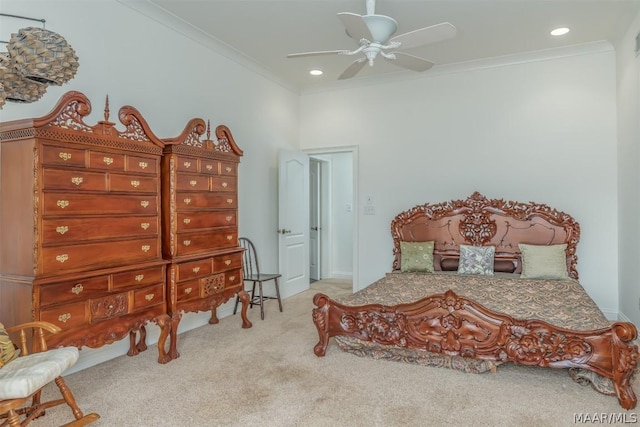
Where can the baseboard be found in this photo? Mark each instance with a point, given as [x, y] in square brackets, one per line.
[345, 275]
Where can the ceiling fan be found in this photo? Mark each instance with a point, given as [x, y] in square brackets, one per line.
[373, 34]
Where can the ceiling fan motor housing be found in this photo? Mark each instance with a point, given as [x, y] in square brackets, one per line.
[381, 27]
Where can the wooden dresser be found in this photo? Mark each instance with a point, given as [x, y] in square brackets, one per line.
[200, 224]
[80, 226]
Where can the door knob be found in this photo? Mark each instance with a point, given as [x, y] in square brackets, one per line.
[315, 228]
[283, 231]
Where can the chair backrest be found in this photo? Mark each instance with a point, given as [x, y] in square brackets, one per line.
[250, 265]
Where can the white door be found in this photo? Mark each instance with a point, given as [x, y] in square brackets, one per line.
[293, 221]
[314, 219]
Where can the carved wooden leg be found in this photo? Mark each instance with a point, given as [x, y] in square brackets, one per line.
[165, 326]
[625, 361]
[13, 419]
[142, 342]
[320, 319]
[244, 297]
[133, 351]
[173, 336]
[214, 315]
[68, 397]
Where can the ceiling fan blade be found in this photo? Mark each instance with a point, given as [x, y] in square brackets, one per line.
[426, 35]
[410, 62]
[353, 69]
[324, 52]
[356, 27]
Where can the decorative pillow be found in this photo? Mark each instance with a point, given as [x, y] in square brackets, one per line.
[476, 260]
[416, 256]
[544, 261]
[7, 350]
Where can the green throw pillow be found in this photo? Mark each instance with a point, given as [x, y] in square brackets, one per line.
[416, 256]
[544, 261]
[7, 350]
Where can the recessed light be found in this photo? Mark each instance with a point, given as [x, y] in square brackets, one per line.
[560, 31]
[315, 72]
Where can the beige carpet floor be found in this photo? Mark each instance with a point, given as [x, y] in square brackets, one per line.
[269, 376]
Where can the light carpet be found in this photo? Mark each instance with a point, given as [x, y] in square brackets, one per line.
[269, 376]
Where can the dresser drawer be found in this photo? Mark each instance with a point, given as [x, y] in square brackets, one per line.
[205, 200]
[147, 297]
[227, 262]
[212, 285]
[106, 161]
[63, 230]
[194, 243]
[206, 219]
[105, 204]
[77, 257]
[228, 168]
[133, 183]
[148, 165]
[109, 306]
[223, 183]
[186, 182]
[53, 155]
[138, 278]
[66, 316]
[188, 290]
[210, 167]
[190, 270]
[233, 278]
[73, 291]
[60, 179]
[187, 164]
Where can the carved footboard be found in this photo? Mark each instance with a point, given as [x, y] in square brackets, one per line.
[454, 325]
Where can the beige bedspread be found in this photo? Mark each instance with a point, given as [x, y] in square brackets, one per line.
[562, 303]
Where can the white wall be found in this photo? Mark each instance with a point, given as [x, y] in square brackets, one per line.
[542, 131]
[170, 78]
[628, 69]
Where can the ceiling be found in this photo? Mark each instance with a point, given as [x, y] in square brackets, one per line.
[263, 32]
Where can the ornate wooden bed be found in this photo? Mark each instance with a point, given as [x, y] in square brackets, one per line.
[479, 318]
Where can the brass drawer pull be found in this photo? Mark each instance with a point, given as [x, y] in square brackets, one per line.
[187, 165]
[230, 237]
[77, 180]
[144, 225]
[228, 169]
[149, 297]
[62, 229]
[229, 218]
[196, 269]
[209, 167]
[186, 242]
[62, 258]
[107, 160]
[227, 262]
[62, 203]
[193, 183]
[224, 185]
[143, 165]
[187, 201]
[232, 278]
[139, 277]
[77, 289]
[145, 248]
[135, 183]
[64, 156]
[144, 203]
[186, 220]
[188, 291]
[64, 317]
[230, 201]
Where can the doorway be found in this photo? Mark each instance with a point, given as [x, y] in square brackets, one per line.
[332, 219]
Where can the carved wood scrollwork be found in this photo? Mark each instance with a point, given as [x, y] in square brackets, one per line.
[454, 325]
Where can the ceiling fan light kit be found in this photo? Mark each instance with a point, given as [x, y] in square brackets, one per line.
[373, 33]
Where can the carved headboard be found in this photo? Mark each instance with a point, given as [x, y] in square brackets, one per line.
[479, 221]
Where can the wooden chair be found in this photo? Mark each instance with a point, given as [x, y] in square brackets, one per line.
[252, 273]
[22, 379]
